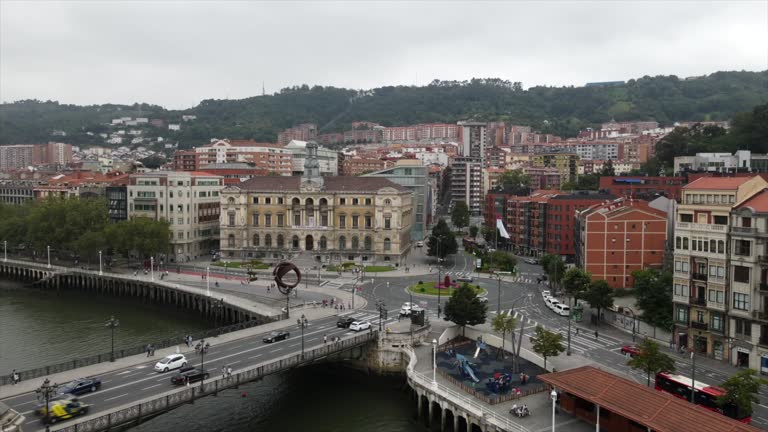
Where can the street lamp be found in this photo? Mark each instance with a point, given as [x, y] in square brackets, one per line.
[382, 311]
[100, 271]
[203, 347]
[434, 362]
[439, 240]
[49, 256]
[208, 281]
[112, 324]
[633, 322]
[45, 392]
[302, 322]
[5, 250]
[152, 268]
[498, 277]
[693, 374]
[553, 396]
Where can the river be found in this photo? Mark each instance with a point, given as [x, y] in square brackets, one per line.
[39, 328]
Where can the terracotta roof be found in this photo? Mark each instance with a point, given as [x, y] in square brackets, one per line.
[658, 411]
[758, 202]
[717, 183]
[332, 184]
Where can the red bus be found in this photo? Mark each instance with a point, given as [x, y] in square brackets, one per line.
[706, 395]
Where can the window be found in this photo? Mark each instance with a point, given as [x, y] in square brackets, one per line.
[230, 217]
[170, 194]
[721, 246]
[267, 220]
[297, 219]
[323, 243]
[255, 240]
[324, 219]
[742, 247]
[741, 301]
[342, 201]
[280, 221]
[230, 240]
[255, 219]
[355, 201]
[368, 243]
[741, 274]
[342, 221]
[280, 200]
[387, 223]
[746, 222]
[268, 200]
[682, 315]
[682, 290]
[280, 241]
[743, 327]
[686, 218]
[255, 200]
[678, 243]
[721, 220]
[685, 243]
[342, 243]
[387, 201]
[230, 201]
[355, 243]
[268, 240]
[180, 221]
[368, 222]
[716, 296]
[355, 221]
[387, 244]
[367, 201]
[716, 321]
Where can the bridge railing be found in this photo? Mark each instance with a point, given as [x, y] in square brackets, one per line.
[174, 398]
[124, 352]
[468, 403]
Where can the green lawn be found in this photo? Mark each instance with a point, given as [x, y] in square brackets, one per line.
[378, 269]
[429, 289]
[256, 264]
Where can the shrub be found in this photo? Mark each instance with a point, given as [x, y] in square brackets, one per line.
[422, 289]
[421, 282]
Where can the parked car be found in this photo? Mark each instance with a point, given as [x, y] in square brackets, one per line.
[562, 309]
[545, 294]
[360, 325]
[552, 302]
[276, 336]
[344, 322]
[193, 375]
[405, 310]
[419, 243]
[630, 350]
[80, 386]
[173, 361]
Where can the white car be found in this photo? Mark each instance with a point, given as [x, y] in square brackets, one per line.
[360, 325]
[173, 361]
[419, 243]
[562, 309]
[464, 277]
[552, 302]
[545, 294]
[482, 299]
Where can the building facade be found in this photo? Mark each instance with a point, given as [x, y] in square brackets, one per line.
[189, 201]
[615, 238]
[334, 218]
[326, 158]
[358, 166]
[566, 164]
[467, 182]
[16, 156]
[701, 294]
[643, 187]
[302, 132]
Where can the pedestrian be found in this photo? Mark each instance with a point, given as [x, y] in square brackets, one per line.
[577, 331]
[596, 336]
[148, 349]
[223, 371]
[229, 371]
[151, 350]
[325, 339]
[15, 377]
[517, 393]
[186, 380]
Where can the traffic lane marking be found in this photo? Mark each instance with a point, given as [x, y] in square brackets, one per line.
[115, 397]
[147, 388]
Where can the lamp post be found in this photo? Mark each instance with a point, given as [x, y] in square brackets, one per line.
[434, 362]
[498, 277]
[49, 256]
[45, 391]
[439, 240]
[112, 324]
[302, 322]
[382, 307]
[553, 396]
[5, 250]
[100, 270]
[208, 281]
[202, 360]
[152, 268]
[633, 322]
[693, 373]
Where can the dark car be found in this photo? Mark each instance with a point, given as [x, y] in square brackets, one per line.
[190, 375]
[80, 386]
[276, 336]
[344, 322]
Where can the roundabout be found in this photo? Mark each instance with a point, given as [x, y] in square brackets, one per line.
[429, 289]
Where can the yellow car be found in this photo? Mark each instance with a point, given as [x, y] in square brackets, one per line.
[63, 409]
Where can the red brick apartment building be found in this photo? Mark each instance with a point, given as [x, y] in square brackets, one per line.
[539, 223]
[355, 167]
[617, 237]
[643, 187]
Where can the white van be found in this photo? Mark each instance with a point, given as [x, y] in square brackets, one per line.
[552, 303]
[562, 309]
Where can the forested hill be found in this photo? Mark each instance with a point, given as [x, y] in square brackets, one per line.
[559, 110]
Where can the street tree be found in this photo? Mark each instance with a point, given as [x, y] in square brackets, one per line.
[554, 268]
[140, 236]
[741, 391]
[651, 360]
[504, 323]
[89, 245]
[547, 344]
[465, 308]
[502, 260]
[516, 181]
[599, 295]
[653, 294]
[460, 214]
[473, 231]
[442, 242]
[608, 170]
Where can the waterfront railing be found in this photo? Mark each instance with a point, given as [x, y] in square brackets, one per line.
[150, 407]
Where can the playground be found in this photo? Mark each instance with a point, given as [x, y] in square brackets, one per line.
[479, 367]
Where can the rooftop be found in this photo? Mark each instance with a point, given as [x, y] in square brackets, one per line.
[332, 184]
[653, 409]
[758, 202]
[717, 183]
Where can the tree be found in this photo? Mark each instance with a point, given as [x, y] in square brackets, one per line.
[547, 344]
[89, 245]
[608, 170]
[599, 295]
[464, 308]
[473, 230]
[153, 162]
[741, 391]
[141, 236]
[442, 242]
[504, 323]
[502, 260]
[576, 281]
[650, 360]
[554, 268]
[516, 181]
[460, 214]
[653, 294]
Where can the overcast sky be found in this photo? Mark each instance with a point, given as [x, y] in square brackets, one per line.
[177, 53]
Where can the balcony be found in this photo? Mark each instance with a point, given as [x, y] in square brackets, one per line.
[758, 315]
[701, 227]
[699, 276]
[763, 288]
[701, 301]
[743, 230]
[699, 325]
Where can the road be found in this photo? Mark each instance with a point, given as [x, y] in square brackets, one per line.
[122, 386]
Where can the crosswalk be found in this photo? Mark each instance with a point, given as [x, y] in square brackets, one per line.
[582, 340]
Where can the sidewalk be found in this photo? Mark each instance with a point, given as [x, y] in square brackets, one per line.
[7, 391]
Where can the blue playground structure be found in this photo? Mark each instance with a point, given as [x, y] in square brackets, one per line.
[465, 368]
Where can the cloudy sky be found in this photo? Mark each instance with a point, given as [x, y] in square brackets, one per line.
[176, 53]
